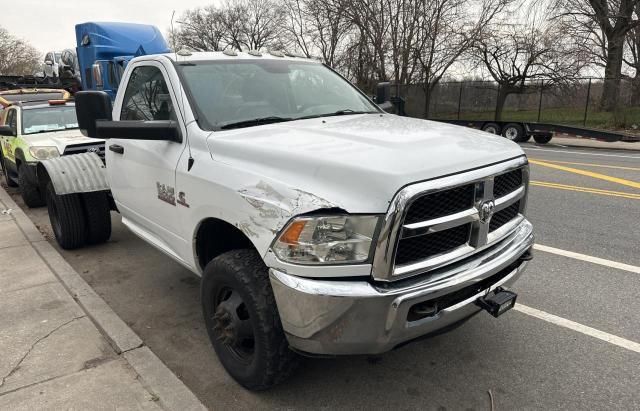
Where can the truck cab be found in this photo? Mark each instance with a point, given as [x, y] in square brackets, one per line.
[320, 224]
[105, 48]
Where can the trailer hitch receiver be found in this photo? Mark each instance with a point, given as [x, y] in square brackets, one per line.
[498, 303]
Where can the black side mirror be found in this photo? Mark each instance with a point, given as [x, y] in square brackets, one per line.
[92, 106]
[139, 130]
[383, 96]
[383, 92]
[6, 131]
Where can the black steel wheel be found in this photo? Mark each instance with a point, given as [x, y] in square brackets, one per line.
[492, 128]
[243, 322]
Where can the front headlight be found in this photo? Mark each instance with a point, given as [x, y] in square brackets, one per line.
[327, 239]
[44, 152]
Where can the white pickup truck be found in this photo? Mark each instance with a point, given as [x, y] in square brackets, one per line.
[320, 224]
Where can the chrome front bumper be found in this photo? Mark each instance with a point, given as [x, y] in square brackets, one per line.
[329, 317]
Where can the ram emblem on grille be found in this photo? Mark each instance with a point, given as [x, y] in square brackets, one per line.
[486, 211]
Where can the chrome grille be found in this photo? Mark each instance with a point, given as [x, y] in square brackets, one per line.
[97, 148]
[440, 204]
[504, 216]
[437, 222]
[419, 247]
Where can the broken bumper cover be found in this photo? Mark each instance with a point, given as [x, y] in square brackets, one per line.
[328, 317]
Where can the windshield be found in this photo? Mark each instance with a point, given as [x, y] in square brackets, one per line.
[39, 120]
[237, 92]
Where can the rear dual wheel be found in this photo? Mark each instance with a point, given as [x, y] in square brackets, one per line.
[78, 219]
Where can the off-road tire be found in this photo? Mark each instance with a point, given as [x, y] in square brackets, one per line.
[492, 128]
[516, 132]
[272, 361]
[5, 171]
[68, 221]
[30, 193]
[542, 139]
[98, 215]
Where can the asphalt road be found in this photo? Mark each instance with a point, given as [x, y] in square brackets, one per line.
[526, 362]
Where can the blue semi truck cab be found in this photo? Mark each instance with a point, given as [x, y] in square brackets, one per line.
[105, 48]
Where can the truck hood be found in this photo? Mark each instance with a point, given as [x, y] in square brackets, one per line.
[60, 139]
[358, 162]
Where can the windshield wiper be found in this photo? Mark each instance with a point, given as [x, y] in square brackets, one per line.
[255, 122]
[336, 113]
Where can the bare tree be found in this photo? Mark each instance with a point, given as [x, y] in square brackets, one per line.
[614, 19]
[17, 57]
[448, 29]
[201, 29]
[633, 57]
[524, 52]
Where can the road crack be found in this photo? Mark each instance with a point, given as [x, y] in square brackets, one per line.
[39, 340]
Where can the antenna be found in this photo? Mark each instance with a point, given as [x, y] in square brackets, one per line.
[190, 161]
[173, 35]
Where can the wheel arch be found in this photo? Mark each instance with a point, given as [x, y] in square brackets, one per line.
[213, 237]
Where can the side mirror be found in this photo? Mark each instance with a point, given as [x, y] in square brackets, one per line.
[383, 92]
[383, 96]
[48, 62]
[90, 107]
[6, 131]
[167, 130]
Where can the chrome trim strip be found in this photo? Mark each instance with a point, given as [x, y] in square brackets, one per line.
[435, 261]
[392, 228]
[505, 201]
[440, 223]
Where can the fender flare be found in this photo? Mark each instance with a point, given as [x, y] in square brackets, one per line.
[77, 173]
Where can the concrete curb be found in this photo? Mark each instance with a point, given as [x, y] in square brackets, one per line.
[154, 375]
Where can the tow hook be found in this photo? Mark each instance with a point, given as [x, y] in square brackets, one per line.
[498, 303]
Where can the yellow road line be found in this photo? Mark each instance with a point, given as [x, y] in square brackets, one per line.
[599, 176]
[588, 164]
[586, 190]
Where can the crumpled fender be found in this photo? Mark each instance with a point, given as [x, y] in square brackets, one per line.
[77, 173]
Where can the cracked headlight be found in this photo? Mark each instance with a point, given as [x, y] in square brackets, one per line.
[327, 239]
[44, 152]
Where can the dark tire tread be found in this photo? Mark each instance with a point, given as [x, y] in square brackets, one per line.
[249, 269]
[98, 216]
[30, 193]
[69, 211]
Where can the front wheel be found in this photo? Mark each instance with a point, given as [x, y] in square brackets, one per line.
[7, 178]
[242, 320]
[30, 192]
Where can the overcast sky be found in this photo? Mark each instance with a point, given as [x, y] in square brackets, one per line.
[49, 25]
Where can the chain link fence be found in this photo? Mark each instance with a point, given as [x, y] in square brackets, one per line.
[576, 103]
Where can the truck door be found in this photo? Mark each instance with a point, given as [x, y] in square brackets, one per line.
[142, 172]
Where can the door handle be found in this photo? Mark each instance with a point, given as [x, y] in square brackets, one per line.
[116, 148]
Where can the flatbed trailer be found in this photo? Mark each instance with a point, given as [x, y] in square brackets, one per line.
[542, 133]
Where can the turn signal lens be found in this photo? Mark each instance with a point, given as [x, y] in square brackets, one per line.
[292, 232]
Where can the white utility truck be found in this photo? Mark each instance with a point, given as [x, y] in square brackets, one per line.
[320, 224]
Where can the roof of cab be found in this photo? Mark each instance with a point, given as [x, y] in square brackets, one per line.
[221, 55]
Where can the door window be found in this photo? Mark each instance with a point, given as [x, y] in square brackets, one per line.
[12, 120]
[147, 96]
